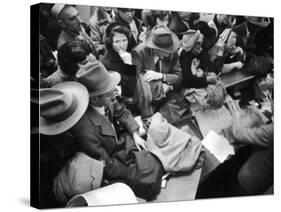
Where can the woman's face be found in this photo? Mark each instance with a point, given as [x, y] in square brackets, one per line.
[231, 42]
[197, 48]
[120, 42]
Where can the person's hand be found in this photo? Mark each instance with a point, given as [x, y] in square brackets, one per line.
[152, 75]
[167, 88]
[238, 65]
[237, 50]
[126, 57]
[140, 143]
[212, 78]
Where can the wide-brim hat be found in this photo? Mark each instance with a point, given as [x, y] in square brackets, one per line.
[57, 9]
[97, 79]
[79, 99]
[258, 21]
[163, 39]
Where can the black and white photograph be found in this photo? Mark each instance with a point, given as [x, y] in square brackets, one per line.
[136, 105]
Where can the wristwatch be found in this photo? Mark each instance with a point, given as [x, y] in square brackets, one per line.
[164, 77]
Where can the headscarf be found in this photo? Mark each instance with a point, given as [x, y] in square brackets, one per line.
[189, 39]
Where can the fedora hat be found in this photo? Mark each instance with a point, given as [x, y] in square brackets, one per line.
[258, 21]
[57, 9]
[61, 107]
[162, 38]
[97, 79]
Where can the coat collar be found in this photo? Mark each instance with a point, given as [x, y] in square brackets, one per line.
[98, 119]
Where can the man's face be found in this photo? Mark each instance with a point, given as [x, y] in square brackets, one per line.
[126, 14]
[185, 16]
[231, 42]
[70, 19]
[104, 99]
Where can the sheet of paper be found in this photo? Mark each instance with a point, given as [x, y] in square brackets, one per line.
[218, 145]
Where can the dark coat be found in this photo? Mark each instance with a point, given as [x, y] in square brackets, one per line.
[256, 175]
[112, 61]
[188, 79]
[143, 57]
[97, 137]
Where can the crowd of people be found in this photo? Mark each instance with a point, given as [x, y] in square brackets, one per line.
[97, 75]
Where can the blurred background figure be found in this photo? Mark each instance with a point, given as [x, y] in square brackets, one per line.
[152, 18]
[126, 17]
[182, 21]
[99, 21]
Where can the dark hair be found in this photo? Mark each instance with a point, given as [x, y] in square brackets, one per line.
[209, 33]
[71, 53]
[114, 28]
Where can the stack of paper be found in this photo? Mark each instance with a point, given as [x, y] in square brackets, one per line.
[218, 145]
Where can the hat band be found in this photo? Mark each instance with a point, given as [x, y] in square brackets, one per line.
[66, 114]
[163, 42]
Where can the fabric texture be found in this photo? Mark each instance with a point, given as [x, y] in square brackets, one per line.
[173, 147]
[79, 175]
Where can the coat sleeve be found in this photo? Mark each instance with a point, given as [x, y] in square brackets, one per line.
[90, 142]
[175, 74]
[261, 136]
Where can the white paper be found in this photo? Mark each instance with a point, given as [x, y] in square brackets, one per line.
[218, 145]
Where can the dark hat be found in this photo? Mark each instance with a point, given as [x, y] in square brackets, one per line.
[97, 79]
[162, 38]
[61, 107]
[57, 9]
[258, 21]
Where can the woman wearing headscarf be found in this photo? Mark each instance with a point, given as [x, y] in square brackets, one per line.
[233, 55]
[200, 86]
[118, 58]
[193, 75]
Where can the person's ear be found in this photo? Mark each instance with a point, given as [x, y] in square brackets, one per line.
[61, 23]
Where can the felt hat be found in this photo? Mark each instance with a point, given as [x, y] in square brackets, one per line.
[57, 9]
[61, 107]
[97, 79]
[258, 21]
[163, 39]
[189, 39]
